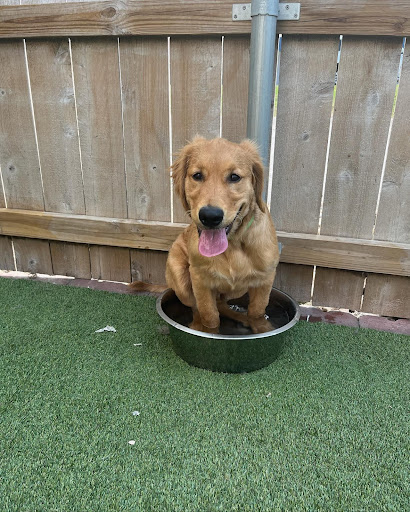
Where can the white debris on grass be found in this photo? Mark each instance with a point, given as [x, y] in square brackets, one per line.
[137, 344]
[135, 413]
[131, 442]
[107, 328]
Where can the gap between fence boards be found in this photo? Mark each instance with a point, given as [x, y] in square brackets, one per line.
[298, 248]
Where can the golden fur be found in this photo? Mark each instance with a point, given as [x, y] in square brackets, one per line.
[249, 263]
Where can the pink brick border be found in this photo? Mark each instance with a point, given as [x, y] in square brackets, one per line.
[310, 314]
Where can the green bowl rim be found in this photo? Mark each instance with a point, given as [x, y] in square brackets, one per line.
[268, 334]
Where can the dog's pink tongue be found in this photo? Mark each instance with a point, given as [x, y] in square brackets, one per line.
[212, 242]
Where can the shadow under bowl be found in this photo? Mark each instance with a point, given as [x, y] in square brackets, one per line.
[235, 349]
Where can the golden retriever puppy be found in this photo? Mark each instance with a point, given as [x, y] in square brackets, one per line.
[230, 247]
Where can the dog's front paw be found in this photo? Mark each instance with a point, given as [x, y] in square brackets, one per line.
[260, 324]
[198, 326]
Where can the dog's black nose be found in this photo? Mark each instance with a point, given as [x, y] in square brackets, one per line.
[211, 216]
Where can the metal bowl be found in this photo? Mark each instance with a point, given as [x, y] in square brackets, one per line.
[236, 349]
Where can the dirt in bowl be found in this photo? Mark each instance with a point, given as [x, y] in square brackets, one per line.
[276, 313]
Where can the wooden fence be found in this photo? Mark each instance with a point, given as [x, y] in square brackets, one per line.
[88, 126]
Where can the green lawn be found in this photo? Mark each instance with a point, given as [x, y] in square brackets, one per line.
[325, 427]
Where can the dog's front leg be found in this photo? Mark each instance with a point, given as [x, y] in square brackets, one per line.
[206, 312]
[258, 300]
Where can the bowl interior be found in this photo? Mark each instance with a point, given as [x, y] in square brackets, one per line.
[281, 311]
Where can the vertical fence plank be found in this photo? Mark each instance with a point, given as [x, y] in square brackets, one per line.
[148, 266]
[97, 84]
[196, 94]
[235, 80]
[54, 107]
[390, 295]
[364, 100]
[18, 153]
[393, 220]
[387, 295]
[306, 84]
[144, 72]
[6, 254]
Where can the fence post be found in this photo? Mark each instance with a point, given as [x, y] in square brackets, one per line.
[264, 14]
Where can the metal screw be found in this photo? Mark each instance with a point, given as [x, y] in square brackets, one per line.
[295, 15]
[287, 7]
[235, 16]
[244, 7]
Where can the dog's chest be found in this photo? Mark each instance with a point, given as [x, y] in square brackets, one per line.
[239, 270]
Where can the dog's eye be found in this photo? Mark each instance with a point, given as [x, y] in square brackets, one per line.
[234, 178]
[198, 176]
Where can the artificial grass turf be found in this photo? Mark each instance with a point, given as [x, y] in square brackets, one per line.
[322, 428]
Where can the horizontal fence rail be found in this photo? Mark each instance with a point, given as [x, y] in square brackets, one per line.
[298, 248]
[197, 17]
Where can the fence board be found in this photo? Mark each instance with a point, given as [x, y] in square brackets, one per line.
[6, 254]
[235, 87]
[54, 107]
[306, 84]
[393, 220]
[196, 94]
[70, 259]
[385, 294]
[6, 250]
[18, 151]
[148, 266]
[144, 72]
[338, 288]
[364, 100]
[288, 278]
[305, 94]
[189, 17]
[97, 84]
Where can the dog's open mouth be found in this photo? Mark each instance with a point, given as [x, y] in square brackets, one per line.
[214, 241]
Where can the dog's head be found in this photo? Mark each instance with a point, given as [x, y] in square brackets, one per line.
[218, 182]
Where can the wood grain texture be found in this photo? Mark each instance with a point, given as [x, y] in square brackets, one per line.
[235, 87]
[98, 93]
[18, 152]
[111, 264]
[52, 89]
[393, 219]
[306, 84]
[148, 266]
[33, 256]
[144, 73]
[305, 93]
[190, 17]
[195, 94]
[387, 295]
[294, 280]
[6, 250]
[6, 254]
[54, 107]
[19, 162]
[70, 259]
[364, 100]
[298, 248]
[338, 288]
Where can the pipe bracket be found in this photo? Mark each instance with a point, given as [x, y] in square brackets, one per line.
[244, 12]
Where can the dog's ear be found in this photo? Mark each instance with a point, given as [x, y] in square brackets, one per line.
[252, 152]
[180, 168]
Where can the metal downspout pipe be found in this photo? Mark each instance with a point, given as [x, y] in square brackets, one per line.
[264, 14]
